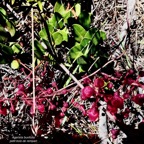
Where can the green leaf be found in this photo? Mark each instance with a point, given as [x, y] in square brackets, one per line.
[3, 11]
[56, 20]
[4, 21]
[85, 42]
[78, 9]
[16, 48]
[103, 35]
[3, 34]
[46, 44]
[50, 28]
[40, 5]
[11, 29]
[93, 51]
[6, 49]
[89, 35]
[82, 61]
[79, 32]
[52, 20]
[57, 37]
[59, 8]
[43, 34]
[12, 2]
[15, 64]
[75, 52]
[50, 59]
[59, 20]
[81, 69]
[85, 19]
[67, 15]
[3, 60]
[94, 35]
[39, 50]
[64, 34]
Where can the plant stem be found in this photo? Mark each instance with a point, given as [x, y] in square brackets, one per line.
[71, 75]
[33, 68]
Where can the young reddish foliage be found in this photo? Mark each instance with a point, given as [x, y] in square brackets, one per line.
[3, 111]
[99, 82]
[87, 92]
[93, 113]
[110, 85]
[139, 99]
[117, 102]
[114, 133]
[41, 108]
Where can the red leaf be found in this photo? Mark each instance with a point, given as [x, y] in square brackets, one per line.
[99, 82]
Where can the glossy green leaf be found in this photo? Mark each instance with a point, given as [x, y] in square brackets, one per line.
[40, 5]
[78, 9]
[50, 28]
[79, 32]
[15, 64]
[64, 34]
[12, 2]
[56, 21]
[89, 35]
[81, 61]
[3, 34]
[67, 15]
[75, 52]
[43, 34]
[2, 11]
[50, 59]
[59, 8]
[16, 48]
[93, 35]
[10, 27]
[4, 21]
[41, 53]
[57, 37]
[103, 35]
[3, 60]
[60, 36]
[52, 20]
[85, 42]
[86, 46]
[93, 51]
[46, 44]
[39, 50]
[59, 21]
[85, 19]
[6, 49]
[81, 69]
[7, 24]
